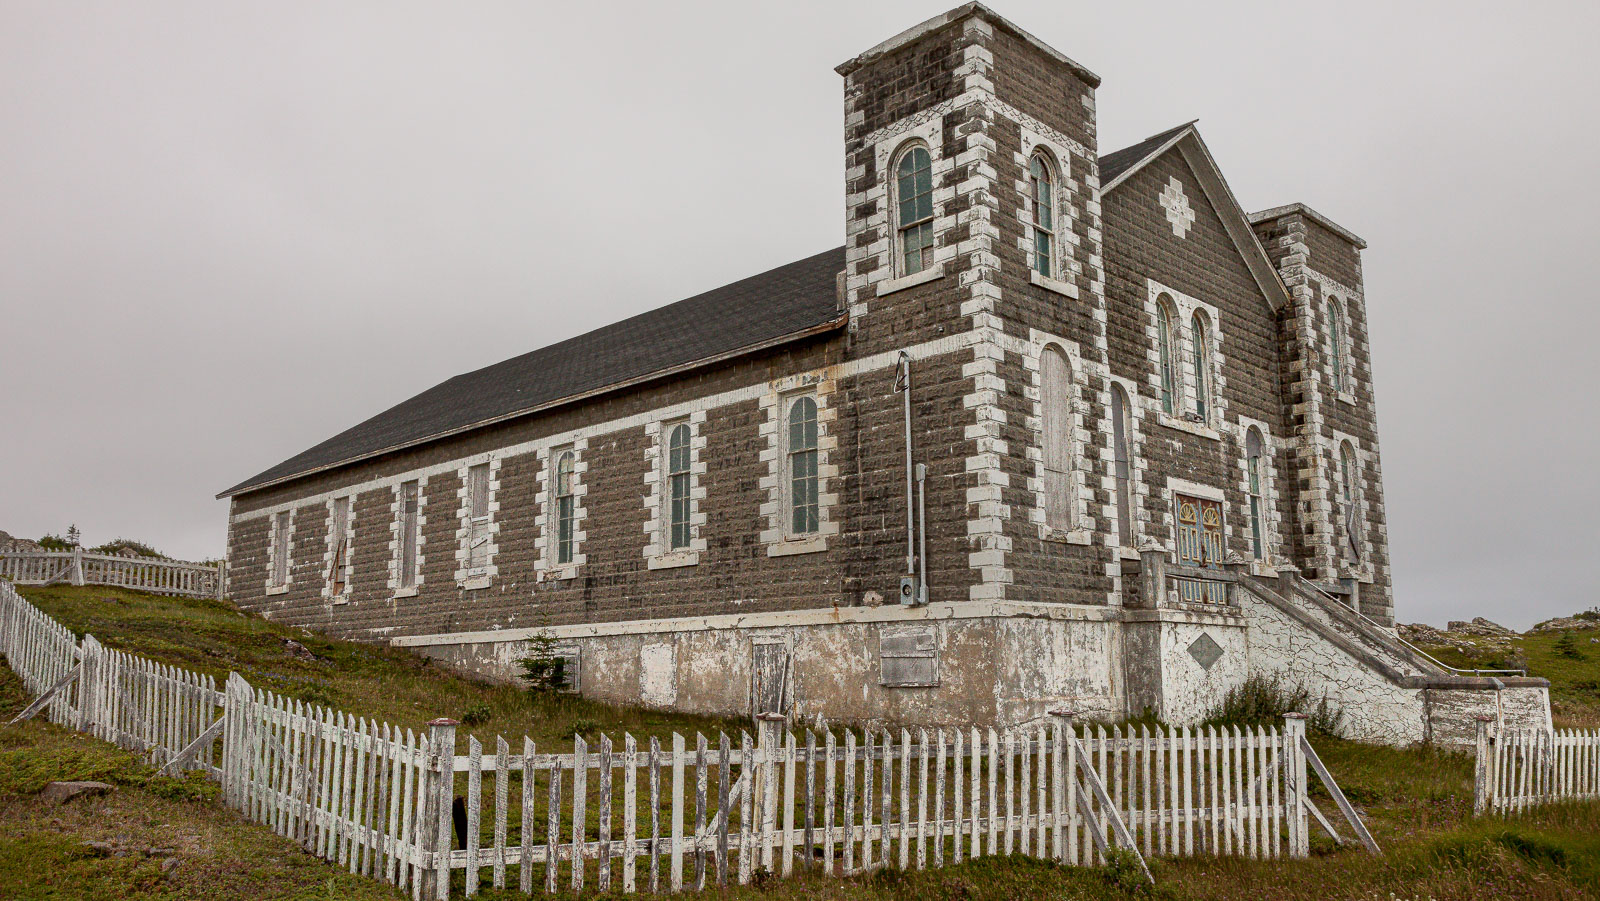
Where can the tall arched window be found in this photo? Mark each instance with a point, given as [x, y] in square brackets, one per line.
[1253, 472]
[1167, 348]
[1122, 453]
[1201, 340]
[1055, 399]
[1350, 499]
[565, 532]
[1336, 344]
[802, 454]
[678, 486]
[1042, 178]
[914, 209]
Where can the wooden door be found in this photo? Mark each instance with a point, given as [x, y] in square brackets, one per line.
[1199, 544]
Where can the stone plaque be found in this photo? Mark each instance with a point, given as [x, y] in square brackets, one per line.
[1205, 651]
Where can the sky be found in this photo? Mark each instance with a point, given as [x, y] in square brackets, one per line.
[230, 230]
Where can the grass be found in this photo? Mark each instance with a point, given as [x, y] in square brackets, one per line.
[1570, 659]
[389, 684]
[1417, 801]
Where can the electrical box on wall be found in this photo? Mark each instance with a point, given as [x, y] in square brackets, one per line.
[910, 592]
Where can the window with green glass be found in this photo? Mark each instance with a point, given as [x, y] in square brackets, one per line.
[914, 209]
[566, 512]
[1252, 460]
[678, 486]
[1202, 367]
[802, 457]
[1043, 183]
[1167, 354]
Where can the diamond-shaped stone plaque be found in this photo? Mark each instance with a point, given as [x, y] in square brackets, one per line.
[1205, 651]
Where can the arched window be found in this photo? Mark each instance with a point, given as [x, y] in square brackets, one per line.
[1336, 344]
[1167, 348]
[1122, 453]
[1253, 472]
[802, 454]
[1201, 339]
[1055, 399]
[1350, 499]
[565, 532]
[1042, 179]
[914, 209]
[678, 486]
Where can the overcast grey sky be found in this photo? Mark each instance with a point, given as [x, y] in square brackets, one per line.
[230, 230]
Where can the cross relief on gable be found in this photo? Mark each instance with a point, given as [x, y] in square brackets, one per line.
[1179, 213]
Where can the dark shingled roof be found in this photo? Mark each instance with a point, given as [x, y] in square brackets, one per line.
[1119, 161]
[759, 310]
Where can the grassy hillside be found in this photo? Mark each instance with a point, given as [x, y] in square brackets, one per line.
[1417, 802]
[1570, 659]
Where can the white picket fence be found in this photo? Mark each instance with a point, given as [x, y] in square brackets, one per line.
[79, 567]
[1523, 768]
[381, 800]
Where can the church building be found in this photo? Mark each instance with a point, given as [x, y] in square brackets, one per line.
[1053, 428]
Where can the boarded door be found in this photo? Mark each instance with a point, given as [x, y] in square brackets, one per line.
[769, 679]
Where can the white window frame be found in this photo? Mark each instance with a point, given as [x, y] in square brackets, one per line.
[779, 536]
[1058, 157]
[397, 538]
[886, 277]
[280, 531]
[1136, 489]
[1340, 367]
[339, 532]
[659, 552]
[1184, 415]
[1271, 519]
[1079, 530]
[897, 227]
[482, 528]
[546, 566]
[1363, 569]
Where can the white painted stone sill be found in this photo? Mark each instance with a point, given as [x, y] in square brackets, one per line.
[474, 584]
[1127, 553]
[674, 560]
[1346, 397]
[1074, 536]
[339, 599]
[1184, 425]
[564, 573]
[403, 593]
[791, 546]
[1053, 284]
[910, 281]
[277, 589]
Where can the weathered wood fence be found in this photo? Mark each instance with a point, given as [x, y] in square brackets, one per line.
[80, 567]
[405, 808]
[1523, 768]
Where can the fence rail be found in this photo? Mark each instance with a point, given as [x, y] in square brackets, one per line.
[80, 567]
[1523, 768]
[404, 807]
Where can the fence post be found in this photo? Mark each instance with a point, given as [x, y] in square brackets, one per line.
[1153, 570]
[1480, 779]
[89, 684]
[1294, 785]
[437, 831]
[222, 579]
[77, 564]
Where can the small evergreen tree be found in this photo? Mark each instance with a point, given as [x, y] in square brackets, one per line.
[544, 671]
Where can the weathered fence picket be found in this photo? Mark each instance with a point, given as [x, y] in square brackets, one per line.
[80, 567]
[1523, 768]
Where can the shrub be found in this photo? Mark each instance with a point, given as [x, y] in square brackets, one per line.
[120, 545]
[1567, 647]
[1263, 700]
[477, 714]
[55, 543]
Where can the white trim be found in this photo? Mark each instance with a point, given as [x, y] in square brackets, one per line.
[1128, 173]
[1361, 569]
[1138, 493]
[272, 586]
[467, 576]
[329, 551]
[1176, 486]
[1079, 532]
[1271, 522]
[1185, 307]
[778, 537]
[932, 273]
[397, 540]
[658, 552]
[546, 569]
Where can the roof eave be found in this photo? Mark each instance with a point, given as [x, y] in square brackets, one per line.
[822, 328]
[1280, 211]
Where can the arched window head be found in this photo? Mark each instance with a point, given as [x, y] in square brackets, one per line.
[1055, 399]
[1201, 338]
[1253, 473]
[565, 511]
[1167, 351]
[678, 486]
[1350, 500]
[1042, 180]
[1336, 344]
[802, 462]
[1122, 453]
[913, 179]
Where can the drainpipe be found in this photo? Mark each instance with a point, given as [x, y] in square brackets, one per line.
[911, 540]
[922, 534]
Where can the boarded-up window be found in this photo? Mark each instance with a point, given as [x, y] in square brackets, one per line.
[1121, 439]
[478, 520]
[410, 518]
[908, 658]
[769, 678]
[1350, 501]
[280, 548]
[339, 544]
[1055, 377]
